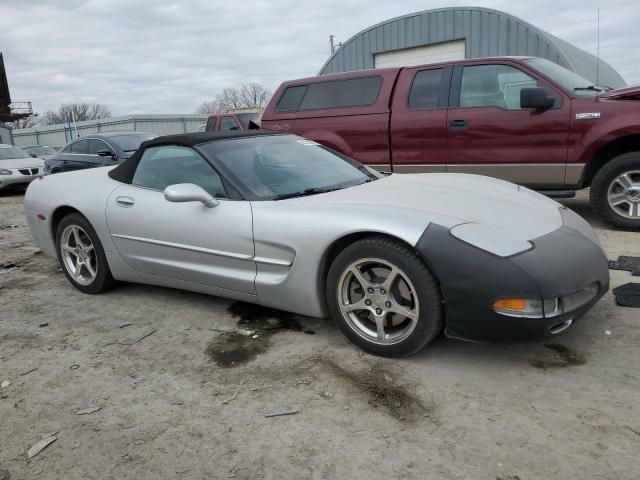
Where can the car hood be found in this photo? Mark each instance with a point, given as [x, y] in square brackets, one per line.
[622, 93]
[451, 199]
[27, 162]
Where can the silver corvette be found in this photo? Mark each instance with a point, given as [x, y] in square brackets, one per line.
[284, 222]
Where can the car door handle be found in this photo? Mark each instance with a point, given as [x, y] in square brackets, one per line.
[458, 125]
[125, 202]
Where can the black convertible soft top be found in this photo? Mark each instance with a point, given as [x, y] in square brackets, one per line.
[124, 172]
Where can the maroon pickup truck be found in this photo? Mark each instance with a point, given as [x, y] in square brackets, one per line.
[523, 119]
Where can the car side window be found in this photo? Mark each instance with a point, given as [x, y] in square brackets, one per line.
[162, 166]
[493, 86]
[425, 89]
[228, 123]
[67, 149]
[80, 147]
[96, 145]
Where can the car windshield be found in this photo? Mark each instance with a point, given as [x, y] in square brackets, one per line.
[285, 166]
[40, 150]
[8, 152]
[245, 118]
[577, 85]
[131, 142]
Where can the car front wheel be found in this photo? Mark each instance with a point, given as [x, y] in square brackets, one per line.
[384, 297]
[615, 191]
[81, 255]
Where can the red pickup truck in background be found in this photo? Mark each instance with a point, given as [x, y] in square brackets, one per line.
[522, 119]
[245, 119]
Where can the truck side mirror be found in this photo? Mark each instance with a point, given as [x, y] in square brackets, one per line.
[536, 98]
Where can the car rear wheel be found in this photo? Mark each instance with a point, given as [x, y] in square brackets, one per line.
[384, 297]
[615, 191]
[81, 255]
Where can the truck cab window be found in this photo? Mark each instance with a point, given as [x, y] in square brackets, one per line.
[493, 86]
[425, 90]
[228, 123]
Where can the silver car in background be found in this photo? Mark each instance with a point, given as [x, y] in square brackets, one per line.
[40, 151]
[17, 167]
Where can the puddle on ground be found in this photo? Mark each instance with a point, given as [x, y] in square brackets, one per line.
[565, 357]
[233, 349]
[263, 318]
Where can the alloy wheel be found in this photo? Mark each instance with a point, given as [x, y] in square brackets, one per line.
[378, 301]
[78, 255]
[623, 194]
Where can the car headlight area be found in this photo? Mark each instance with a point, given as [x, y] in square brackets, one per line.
[546, 308]
[18, 177]
[530, 295]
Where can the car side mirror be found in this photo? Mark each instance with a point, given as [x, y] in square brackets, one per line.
[105, 152]
[189, 192]
[536, 98]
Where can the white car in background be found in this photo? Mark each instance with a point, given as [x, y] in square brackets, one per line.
[17, 167]
[40, 151]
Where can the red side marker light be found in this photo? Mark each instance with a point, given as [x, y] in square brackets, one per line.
[41, 217]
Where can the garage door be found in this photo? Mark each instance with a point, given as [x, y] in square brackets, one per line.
[441, 52]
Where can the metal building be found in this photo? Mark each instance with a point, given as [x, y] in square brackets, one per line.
[5, 134]
[456, 33]
[58, 135]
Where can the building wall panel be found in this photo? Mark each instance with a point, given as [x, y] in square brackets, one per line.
[487, 32]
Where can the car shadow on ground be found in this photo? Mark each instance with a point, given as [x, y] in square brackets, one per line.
[13, 192]
[548, 354]
[226, 315]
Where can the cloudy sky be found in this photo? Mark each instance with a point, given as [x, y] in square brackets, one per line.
[164, 56]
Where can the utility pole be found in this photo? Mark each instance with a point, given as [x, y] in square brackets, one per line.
[331, 44]
[598, 51]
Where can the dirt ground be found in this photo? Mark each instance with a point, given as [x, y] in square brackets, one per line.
[137, 386]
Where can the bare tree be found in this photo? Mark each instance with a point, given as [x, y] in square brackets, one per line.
[248, 95]
[26, 122]
[207, 108]
[81, 111]
[254, 95]
[231, 99]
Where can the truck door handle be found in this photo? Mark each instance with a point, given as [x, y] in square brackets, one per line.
[125, 202]
[458, 125]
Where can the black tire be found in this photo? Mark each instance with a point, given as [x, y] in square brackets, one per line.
[103, 280]
[628, 162]
[430, 313]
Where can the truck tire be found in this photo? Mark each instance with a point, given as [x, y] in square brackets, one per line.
[384, 298]
[615, 191]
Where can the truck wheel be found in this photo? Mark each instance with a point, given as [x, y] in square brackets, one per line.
[615, 191]
[384, 297]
